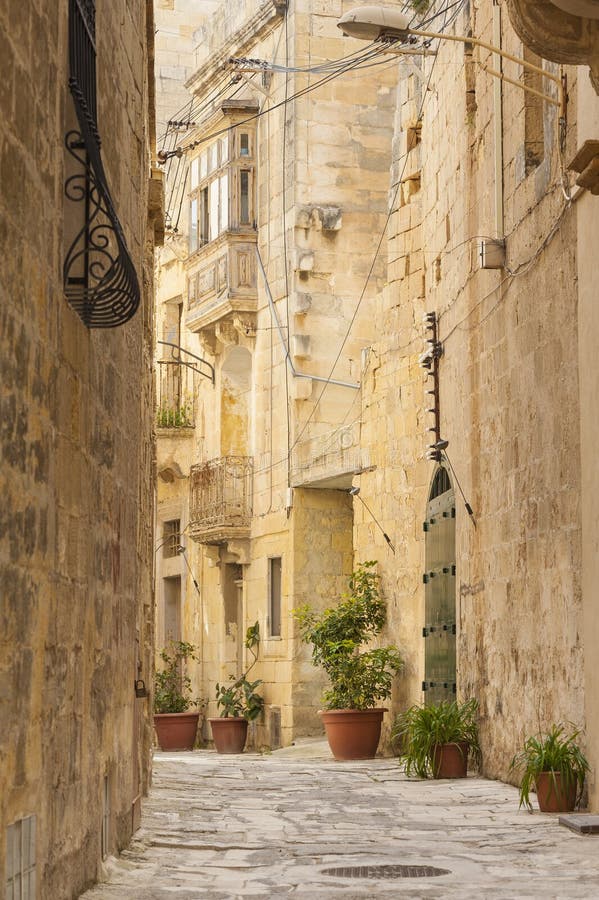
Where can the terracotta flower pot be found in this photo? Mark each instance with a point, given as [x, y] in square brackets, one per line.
[353, 733]
[451, 760]
[229, 733]
[553, 795]
[176, 731]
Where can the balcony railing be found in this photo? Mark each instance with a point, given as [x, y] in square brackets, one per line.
[177, 385]
[221, 499]
[175, 395]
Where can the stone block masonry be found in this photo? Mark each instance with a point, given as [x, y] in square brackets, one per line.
[76, 465]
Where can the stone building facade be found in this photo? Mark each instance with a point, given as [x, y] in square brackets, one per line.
[568, 33]
[474, 328]
[76, 624]
[483, 321]
[283, 194]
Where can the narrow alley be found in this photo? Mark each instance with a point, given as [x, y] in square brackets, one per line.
[295, 823]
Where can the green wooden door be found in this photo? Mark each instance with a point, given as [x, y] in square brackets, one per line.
[439, 630]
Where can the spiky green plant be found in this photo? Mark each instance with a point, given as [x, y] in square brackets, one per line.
[555, 751]
[358, 678]
[417, 731]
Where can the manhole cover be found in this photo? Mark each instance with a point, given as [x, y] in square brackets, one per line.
[386, 872]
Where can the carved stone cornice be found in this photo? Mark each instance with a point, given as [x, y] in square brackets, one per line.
[553, 33]
[251, 32]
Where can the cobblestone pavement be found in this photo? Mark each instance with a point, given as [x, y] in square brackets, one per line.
[228, 827]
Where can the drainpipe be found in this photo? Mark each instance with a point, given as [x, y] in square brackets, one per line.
[498, 124]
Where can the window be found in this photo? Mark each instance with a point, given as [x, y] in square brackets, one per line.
[441, 483]
[204, 217]
[244, 197]
[534, 137]
[194, 173]
[274, 596]
[171, 537]
[193, 226]
[20, 860]
[221, 191]
[172, 608]
[100, 281]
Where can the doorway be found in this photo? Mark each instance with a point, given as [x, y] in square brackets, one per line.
[439, 578]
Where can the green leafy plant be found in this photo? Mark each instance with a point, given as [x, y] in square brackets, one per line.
[420, 6]
[555, 751]
[172, 686]
[174, 416]
[240, 698]
[417, 731]
[359, 678]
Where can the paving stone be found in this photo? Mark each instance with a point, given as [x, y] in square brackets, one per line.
[582, 823]
[251, 826]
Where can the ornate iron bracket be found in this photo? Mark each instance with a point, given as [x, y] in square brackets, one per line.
[176, 357]
[100, 280]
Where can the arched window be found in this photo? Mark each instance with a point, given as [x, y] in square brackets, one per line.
[441, 483]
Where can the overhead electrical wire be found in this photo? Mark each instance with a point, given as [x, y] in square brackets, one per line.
[370, 271]
[175, 197]
[363, 59]
[390, 213]
[195, 106]
[261, 113]
[373, 263]
[285, 260]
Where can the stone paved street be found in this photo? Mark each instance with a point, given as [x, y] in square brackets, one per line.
[227, 827]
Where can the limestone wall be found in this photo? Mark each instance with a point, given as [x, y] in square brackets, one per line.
[586, 213]
[77, 462]
[508, 394]
[322, 176]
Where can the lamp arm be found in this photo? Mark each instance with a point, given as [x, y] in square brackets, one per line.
[525, 87]
[461, 39]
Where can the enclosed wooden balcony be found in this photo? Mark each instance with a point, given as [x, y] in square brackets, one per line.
[221, 499]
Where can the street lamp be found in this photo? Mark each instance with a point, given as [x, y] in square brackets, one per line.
[373, 23]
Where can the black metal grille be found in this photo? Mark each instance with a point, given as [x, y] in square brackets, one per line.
[441, 483]
[100, 280]
[82, 59]
[391, 871]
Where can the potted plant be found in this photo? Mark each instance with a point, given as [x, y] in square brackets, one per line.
[175, 723]
[359, 678]
[553, 763]
[437, 740]
[239, 703]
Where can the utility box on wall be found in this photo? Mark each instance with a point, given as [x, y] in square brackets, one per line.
[492, 254]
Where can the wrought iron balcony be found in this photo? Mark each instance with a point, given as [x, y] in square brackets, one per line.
[100, 281]
[221, 499]
[175, 395]
[176, 385]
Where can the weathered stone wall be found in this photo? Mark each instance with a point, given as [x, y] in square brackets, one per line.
[322, 564]
[509, 397]
[322, 181]
[77, 460]
[587, 215]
